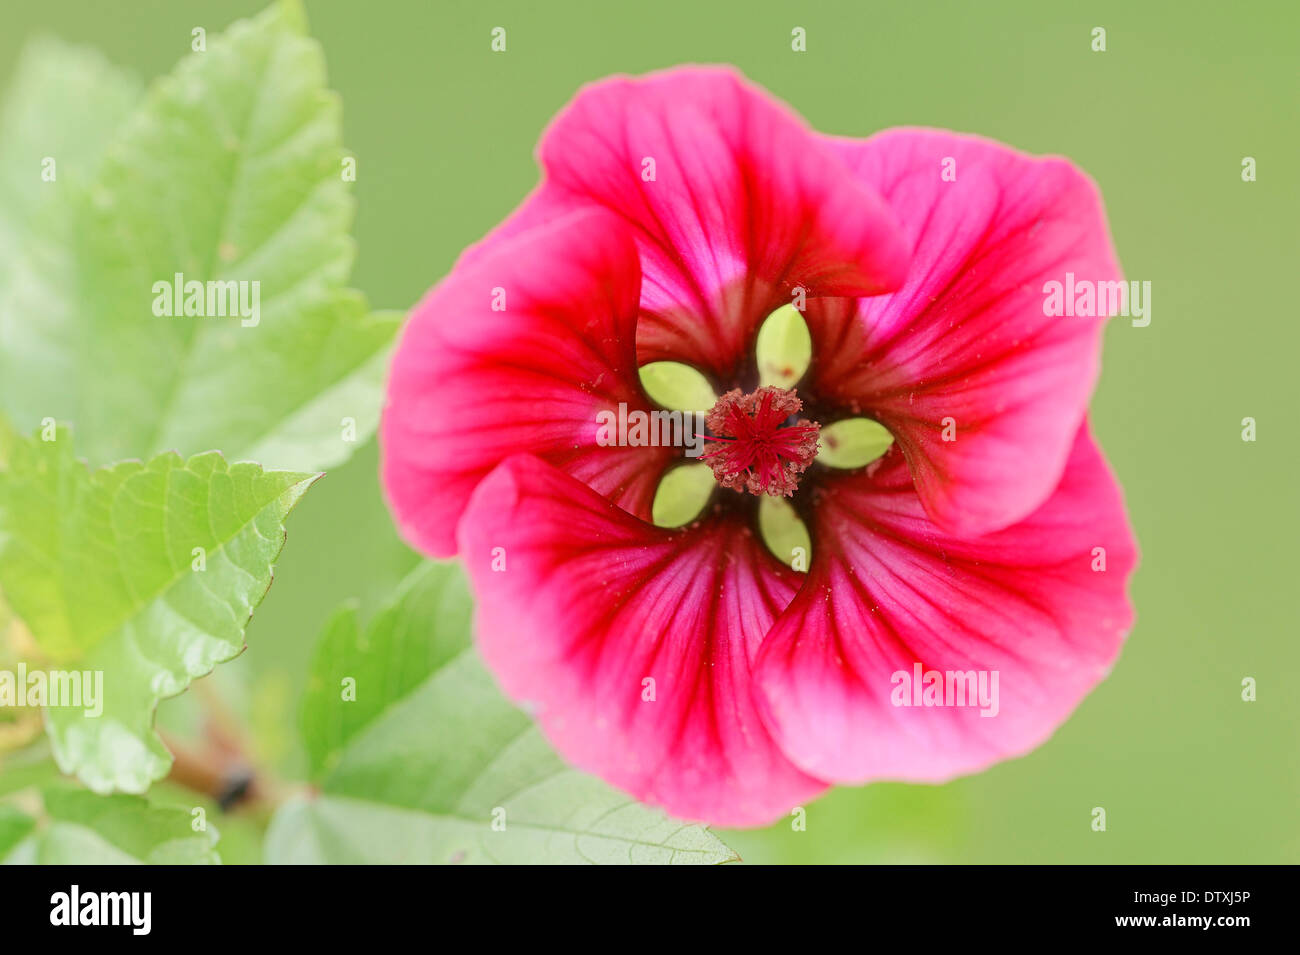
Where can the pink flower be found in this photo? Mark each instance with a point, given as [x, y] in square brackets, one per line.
[676, 212]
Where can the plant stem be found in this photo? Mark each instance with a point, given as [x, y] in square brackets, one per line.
[218, 765]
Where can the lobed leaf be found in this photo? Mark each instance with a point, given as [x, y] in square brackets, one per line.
[430, 763]
[230, 171]
[144, 572]
[81, 828]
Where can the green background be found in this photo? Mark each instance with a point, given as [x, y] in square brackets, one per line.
[444, 131]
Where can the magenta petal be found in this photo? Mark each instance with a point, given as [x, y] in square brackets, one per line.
[579, 604]
[471, 385]
[888, 590]
[965, 344]
[745, 205]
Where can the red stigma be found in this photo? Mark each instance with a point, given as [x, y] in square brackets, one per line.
[753, 449]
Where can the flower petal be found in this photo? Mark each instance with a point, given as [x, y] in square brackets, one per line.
[745, 204]
[888, 590]
[983, 391]
[591, 602]
[471, 385]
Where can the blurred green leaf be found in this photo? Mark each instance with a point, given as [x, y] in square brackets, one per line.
[146, 572]
[31, 766]
[230, 171]
[434, 756]
[422, 630]
[63, 104]
[85, 829]
[14, 827]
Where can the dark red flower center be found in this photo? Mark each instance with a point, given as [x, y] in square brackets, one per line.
[754, 446]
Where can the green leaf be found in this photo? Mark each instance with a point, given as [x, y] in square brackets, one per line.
[15, 825]
[230, 171]
[85, 829]
[31, 766]
[63, 104]
[422, 630]
[147, 573]
[429, 755]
